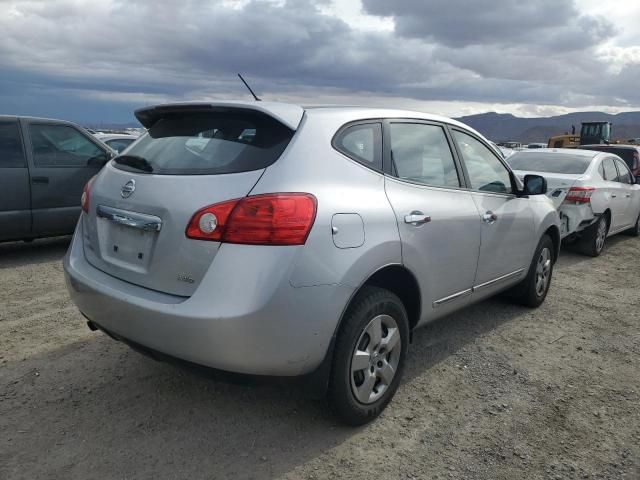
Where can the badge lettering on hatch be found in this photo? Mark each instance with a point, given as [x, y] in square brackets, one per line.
[183, 277]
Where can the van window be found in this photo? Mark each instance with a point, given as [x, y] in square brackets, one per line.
[63, 146]
[11, 151]
[207, 144]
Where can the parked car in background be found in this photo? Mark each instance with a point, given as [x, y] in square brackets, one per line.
[44, 164]
[536, 145]
[595, 192]
[503, 151]
[629, 153]
[294, 241]
[116, 141]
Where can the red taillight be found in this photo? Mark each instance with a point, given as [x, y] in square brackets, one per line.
[209, 223]
[270, 219]
[579, 194]
[86, 194]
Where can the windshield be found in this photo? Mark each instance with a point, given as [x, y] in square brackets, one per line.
[205, 144]
[549, 162]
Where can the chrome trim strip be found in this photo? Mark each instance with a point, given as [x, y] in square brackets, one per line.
[499, 279]
[451, 298]
[148, 223]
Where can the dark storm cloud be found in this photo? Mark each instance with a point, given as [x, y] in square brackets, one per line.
[122, 54]
[458, 23]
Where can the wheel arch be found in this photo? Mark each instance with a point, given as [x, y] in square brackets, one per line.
[399, 280]
[554, 233]
[394, 277]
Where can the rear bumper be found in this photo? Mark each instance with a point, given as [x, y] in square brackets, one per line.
[275, 329]
[575, 218]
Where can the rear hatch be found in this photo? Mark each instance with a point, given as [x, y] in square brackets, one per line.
[141, 203]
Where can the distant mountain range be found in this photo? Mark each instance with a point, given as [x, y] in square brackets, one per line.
[501, 127]
[506, 127]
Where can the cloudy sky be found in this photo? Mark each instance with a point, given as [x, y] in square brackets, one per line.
[96, 60]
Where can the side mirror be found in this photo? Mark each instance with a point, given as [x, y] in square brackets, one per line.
[535, 185]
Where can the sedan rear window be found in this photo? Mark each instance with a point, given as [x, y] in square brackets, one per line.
[207, 144]
[549, 162]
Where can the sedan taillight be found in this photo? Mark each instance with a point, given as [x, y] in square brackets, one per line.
[269, 219]
[579, 194]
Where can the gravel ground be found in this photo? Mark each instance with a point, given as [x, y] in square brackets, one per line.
[493, 392]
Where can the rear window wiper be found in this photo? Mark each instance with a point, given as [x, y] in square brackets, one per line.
[134, 161]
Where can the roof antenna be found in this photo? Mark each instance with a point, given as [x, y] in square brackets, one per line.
[249, 88]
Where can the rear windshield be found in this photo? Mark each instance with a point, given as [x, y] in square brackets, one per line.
[206, 144]
[627, 154]
[549, 162]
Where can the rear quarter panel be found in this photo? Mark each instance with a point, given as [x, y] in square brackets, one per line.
[340, 185]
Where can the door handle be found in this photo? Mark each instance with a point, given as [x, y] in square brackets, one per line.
[613, 195]
[489, 217]
[39, 179]
[628, 195]
[416, 218]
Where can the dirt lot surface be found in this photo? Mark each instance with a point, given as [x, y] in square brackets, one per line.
[493, 392]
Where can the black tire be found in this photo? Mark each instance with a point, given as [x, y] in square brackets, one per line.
[528, 292]
[369, 304]
[591, 244]
[635, 230]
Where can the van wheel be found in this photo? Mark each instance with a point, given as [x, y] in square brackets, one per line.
[532, 291]
[635, 230]
[369, 356]
[595, 236]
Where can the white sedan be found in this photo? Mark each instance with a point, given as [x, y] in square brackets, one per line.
[594, 192]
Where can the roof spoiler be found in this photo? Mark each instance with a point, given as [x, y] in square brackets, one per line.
[289, 115]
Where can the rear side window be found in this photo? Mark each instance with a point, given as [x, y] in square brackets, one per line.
[550, 162]
[63, 146]
[363, 143]
[207, 144]
[11, 152]
[421, 153]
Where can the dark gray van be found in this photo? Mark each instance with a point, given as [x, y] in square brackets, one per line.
[44, 165]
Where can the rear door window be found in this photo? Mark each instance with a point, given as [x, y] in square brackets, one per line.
[420, 153]
[63, 146]
[610, 172]
[207, 144]
[11, 151]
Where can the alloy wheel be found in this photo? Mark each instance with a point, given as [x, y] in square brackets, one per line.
[601, 235]
[543, 271]
[375, 359]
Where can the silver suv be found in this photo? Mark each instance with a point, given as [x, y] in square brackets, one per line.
[271, 239]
